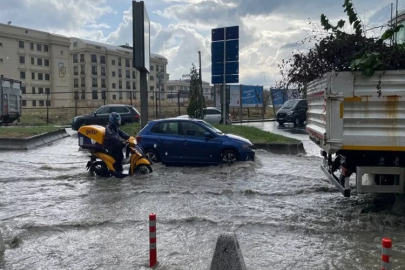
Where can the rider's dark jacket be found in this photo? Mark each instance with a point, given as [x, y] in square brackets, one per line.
[112, 137]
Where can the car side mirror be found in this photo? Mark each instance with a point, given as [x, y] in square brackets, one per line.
[207, 135]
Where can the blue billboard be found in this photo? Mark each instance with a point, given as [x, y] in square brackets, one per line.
[280, 96]
[252, 96]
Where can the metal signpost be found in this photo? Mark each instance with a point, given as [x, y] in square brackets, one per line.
[141, 52]
[225, 61]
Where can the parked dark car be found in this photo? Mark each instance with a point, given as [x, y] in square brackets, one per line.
[294, 111]
[100, 116]
[178, 140]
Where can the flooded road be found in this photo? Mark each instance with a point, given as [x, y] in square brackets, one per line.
[284, 212]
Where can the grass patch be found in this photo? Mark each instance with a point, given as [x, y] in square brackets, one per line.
[24, 132]
[131, 129]
[255, 135]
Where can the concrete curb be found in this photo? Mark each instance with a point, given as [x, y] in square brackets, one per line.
[282, 148]
[227, 254]
[32, 142]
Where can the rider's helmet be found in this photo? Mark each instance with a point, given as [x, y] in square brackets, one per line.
[115, 119]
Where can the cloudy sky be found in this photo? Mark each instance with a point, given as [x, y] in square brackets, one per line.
[269, 29]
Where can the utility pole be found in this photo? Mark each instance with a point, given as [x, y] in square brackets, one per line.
[202, 92]
[224, 84]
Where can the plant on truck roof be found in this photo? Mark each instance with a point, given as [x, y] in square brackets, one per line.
[336, 50]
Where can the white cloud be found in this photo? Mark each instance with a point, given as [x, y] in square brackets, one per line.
[98, 26]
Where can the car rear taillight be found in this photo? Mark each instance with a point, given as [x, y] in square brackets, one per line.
[136, 116]
[138, 139]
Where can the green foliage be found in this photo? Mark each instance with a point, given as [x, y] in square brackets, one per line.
[336, 50]
[196, 98]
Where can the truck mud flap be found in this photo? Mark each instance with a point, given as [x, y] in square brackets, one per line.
[334, 180]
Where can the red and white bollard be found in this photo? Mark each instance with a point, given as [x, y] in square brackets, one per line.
[386, 254]
[152, 240]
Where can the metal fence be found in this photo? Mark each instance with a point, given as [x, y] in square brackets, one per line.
[60, 108]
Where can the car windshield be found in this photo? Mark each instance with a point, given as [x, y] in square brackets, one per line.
[217, 131]
[289, 104]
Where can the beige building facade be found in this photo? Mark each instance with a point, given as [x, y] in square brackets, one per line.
[183, 87]
[102, 71]
[56, 70]
[41, 61]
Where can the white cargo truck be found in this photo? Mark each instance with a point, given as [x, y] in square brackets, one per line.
[10, 100]
[359, 123]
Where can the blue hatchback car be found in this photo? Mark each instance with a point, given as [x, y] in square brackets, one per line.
[178, 141]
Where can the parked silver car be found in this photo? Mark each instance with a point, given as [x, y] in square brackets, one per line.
[212, 115]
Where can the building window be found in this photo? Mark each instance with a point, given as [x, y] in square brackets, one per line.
[127, 63]
[94, 58]
[39, 47]
[128, 83]
[133, 74]
[23, 89]
[157, 68]
[119, 73]
[74, 44]
[119, 61]
[128, 94]
[113, 73]
[81, 57]
[127, 74]
[162, 68]
[94, 82]
[82, 70]
[40, 76]
[102, 59]
[48, 103]
[33, 90]
[46, 61]
[47, 77]
[103, 83]
[133, 85]
[45, 48]
[152, 88]
[113, 62]
[114, 96]
[75, 70]
[24, 103]
[120, 84]
[152, 78]
[22, 59]
[33, 76]
[21, 44]
[41, 103]
[94, 70]
[102, 71]
[76, 83]
[32, 46]
[83, 82]
[40, 91]
[83, 96]
[39, 62]
[120, 95]
[32, 61]
[61, 52]
[47, 91]
[151, 68]
[34, 103]
[114, 85]
[75, 60]
[94, 94]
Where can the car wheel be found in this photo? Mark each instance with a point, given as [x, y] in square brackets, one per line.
[152, 155]
[296, 121]
[229, 157]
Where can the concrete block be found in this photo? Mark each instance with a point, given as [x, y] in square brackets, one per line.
[2, 246]
[227, 255]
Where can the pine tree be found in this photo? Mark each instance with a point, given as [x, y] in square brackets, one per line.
[195, 96]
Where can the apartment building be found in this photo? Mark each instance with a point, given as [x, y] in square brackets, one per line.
[41, 61]
[102, 71]
[182, 87]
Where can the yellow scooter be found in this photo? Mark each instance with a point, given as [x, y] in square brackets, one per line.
[101, 163]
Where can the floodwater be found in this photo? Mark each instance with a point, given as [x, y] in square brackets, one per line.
[283, 210]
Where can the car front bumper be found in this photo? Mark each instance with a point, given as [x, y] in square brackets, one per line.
[248, 155]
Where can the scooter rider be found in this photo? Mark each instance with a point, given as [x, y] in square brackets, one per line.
[112, 141]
